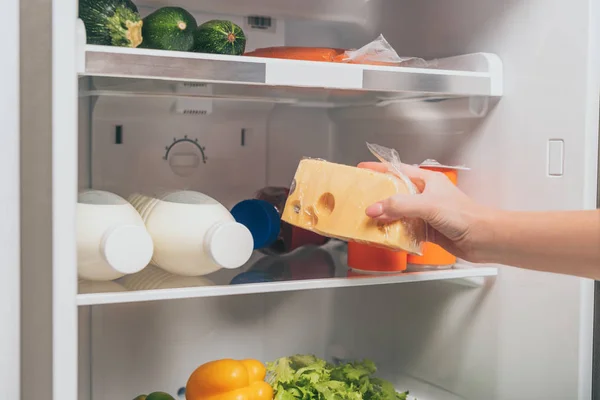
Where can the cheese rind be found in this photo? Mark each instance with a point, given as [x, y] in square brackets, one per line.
[331, 199]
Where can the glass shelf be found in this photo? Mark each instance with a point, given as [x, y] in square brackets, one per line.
[305, 269]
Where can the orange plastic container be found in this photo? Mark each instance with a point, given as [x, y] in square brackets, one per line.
[353, 274]
[434, 257]
[362, 257]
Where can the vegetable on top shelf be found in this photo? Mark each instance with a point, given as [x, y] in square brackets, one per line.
[220, 37]
[111, 22]
[118, 23]
[169, 28]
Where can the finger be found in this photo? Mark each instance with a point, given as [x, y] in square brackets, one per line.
[417, 175]
[411, 171]
[374, 166]
[399, 206]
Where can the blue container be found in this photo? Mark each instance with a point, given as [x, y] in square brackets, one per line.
[261, 218]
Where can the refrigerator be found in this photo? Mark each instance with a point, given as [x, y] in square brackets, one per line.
[512, 93]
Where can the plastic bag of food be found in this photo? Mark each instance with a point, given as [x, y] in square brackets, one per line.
[379, 52]
[298, 53]
[330, 199]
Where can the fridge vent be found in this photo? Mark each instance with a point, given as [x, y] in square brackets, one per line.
[193, 106]
[195, 112]
[193, 88]
[259, 22]
[194, 85]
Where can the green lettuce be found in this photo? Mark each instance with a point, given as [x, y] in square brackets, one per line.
[306, 377]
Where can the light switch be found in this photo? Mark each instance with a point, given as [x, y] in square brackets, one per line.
[556, 157]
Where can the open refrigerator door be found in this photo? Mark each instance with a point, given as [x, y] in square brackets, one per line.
[192, 121]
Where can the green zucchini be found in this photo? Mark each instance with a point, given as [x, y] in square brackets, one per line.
[111, 22]
[219, 37]
[159, 396]
[169, 28]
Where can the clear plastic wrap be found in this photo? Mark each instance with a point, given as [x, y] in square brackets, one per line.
[377, 52]
[330, 199]
[380, 52]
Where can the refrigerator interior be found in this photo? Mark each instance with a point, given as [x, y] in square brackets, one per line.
[520, 335]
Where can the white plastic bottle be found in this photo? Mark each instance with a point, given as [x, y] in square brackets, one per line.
[193, 234]
[112, 239]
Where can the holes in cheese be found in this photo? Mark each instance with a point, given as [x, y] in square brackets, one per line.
[330, 199]
[311, 218]
[326, 203]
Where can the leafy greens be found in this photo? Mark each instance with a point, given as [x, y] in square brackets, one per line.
[306, 377]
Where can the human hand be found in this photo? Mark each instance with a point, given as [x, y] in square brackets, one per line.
[454, 220]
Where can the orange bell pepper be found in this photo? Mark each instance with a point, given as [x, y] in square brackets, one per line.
[229, 380]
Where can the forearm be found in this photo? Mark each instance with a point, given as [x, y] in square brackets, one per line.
[565, 242]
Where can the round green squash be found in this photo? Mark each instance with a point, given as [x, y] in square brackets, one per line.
[220, 37]
[169, 28]
[111, 22]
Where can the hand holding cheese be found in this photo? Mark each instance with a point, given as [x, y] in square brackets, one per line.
[564, 242]
[331, 199]
[448, 211]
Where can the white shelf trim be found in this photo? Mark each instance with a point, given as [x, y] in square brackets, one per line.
[478, 74]
[271, 287]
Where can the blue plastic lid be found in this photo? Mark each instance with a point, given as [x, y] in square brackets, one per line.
[261, 218]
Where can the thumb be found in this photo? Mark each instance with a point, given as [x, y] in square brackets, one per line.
[399, 206]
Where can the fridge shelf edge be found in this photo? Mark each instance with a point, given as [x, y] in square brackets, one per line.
[457, 274]
[478, 74]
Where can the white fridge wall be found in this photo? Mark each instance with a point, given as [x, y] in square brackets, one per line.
[530, 337]
[150, 127]
[526, 336]
[138, 348]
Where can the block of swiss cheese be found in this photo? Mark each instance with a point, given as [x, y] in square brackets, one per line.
[331, 199]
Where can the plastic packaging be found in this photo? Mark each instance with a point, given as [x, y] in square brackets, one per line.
[435, 257]
[193, 234]
[371, 259]
[377, 52]
[112, 240]
[331, 199]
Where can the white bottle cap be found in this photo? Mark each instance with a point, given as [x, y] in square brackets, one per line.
[229, 244]
[127, 248]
